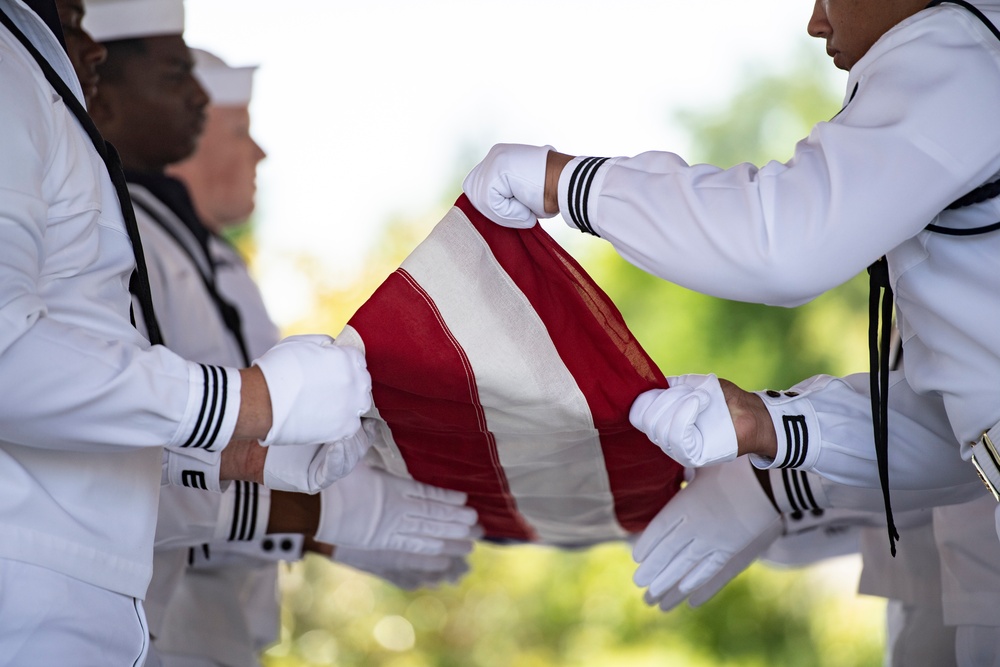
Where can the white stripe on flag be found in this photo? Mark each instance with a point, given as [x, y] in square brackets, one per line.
[549, 449]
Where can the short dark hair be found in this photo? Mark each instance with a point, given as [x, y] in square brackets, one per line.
[120, 51]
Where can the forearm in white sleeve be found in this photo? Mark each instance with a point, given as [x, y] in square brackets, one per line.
[784, 233]
[66, 389]
[823, 426]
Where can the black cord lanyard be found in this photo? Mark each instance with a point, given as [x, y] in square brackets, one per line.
[227, 311]
[139, 283]
[880, 310]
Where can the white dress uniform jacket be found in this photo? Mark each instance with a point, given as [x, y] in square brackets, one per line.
[87, 403]
[918, 131]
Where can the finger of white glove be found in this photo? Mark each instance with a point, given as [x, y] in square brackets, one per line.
[417, 544]
[432, 510]
[436, 493]
[377, 561]
[458, 548]
[337, 460]
[409, 580]
[371, 509]
[735, 565]
[405, 570]
[459, 567]
[706, 567]
[668, 572]
[659, 529]
[423, 526]
[667, 601]
[667, 550]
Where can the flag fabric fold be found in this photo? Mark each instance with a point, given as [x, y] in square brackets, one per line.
[500, 369]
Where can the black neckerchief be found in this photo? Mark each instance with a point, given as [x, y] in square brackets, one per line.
[173, 194]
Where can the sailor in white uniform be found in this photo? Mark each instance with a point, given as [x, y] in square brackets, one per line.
[88, 403]
[214, 613]
[908, 170]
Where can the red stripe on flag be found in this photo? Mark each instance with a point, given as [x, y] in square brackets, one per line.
[579, 316]
[433, 407]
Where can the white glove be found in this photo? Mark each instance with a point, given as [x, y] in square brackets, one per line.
[318, 390]
[371, 509]
[312, 468]
[707, 534]
[405, 570]
[508, 186]
[690, 421]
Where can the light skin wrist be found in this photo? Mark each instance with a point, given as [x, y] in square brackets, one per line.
[243, 460]
[255, 417]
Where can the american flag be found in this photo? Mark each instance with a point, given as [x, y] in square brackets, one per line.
[501, 369]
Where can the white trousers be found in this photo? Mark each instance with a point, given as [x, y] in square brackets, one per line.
[978, 646]
[916, 635]
[48, 619]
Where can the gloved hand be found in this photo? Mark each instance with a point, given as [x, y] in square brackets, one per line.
[371, 509]
[312, 468]
[408, 571]
[318, 390]
[689, 421]
[706, 535]
[508, 186]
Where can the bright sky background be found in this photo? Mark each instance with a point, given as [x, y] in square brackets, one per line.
[370, 108]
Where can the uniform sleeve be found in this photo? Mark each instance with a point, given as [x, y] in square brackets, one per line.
[191, 516]
[23, 208]
[64, 387]
[826, 451]
[919, 133]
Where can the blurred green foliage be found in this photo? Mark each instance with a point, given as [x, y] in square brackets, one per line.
[529, 606]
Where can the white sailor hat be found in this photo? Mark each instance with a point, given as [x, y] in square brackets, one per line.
[226, 85]
[110, 20]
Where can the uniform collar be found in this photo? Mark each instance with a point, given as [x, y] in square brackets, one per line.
[175, 196]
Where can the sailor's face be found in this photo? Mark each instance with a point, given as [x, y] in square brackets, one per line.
[226, 160]
[851, 27]
[167, 102]
[85, 54]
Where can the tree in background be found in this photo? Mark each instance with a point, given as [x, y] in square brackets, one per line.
[531, 606]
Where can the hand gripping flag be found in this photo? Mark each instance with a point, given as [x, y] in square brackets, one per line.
[499, 368]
